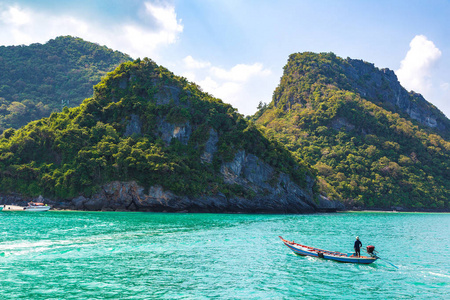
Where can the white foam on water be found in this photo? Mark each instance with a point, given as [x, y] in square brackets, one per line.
[439, 275]
[28, 245]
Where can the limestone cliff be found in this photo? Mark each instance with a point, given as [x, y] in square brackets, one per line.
[274, 193]
[382, 85]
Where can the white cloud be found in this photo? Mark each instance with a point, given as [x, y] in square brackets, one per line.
[190, 76]
[241, 72]
[227, 91]
[15, 16]
[415, 68]
[191, 63]
[19, 25]
[208, 84]
[418, 72]
[243, 85]
[167, 19]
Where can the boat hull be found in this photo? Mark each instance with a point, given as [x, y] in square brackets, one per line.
[25, 208]
[37, 208]
[325, 254]
[13, 208]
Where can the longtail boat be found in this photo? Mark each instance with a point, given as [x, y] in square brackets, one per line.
[333, 255]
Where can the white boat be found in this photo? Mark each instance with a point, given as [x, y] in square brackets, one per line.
[36, 206]
[8, 207]
[31, 207]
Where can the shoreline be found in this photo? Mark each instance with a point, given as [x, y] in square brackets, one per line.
[253, 213]
[396, 211]
[68, 205]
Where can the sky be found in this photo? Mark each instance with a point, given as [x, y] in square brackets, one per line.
[236, 50]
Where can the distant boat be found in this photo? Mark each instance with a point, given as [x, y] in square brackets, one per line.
[32, 206]
[36, 206]
[332, 255]
[7, 207]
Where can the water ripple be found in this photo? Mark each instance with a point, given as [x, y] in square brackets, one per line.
[85, 255]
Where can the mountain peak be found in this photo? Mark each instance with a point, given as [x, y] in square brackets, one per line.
[372, 143]
[150, 140]
[380, 86]
[39, 79]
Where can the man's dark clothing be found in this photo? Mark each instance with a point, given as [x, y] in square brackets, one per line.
[357, 247]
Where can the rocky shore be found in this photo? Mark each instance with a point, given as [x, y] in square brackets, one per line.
[129, 196]
[273, 193]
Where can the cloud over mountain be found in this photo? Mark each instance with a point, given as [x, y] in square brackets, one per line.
[25, 25]
[415, 69]
[231, 84]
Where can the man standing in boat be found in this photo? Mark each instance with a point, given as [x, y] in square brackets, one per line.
[357, 246]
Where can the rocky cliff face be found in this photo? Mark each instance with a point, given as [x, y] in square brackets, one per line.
[274, 193]
[210, 147]
[380, 86]
[358, 127]
[383, 86]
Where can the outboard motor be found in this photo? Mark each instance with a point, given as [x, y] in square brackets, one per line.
[370, 249]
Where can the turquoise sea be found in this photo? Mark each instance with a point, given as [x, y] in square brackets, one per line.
[112, 255]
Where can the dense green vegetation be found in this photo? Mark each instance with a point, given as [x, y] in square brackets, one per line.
[39, 79]
[364, 153]
[75, 151]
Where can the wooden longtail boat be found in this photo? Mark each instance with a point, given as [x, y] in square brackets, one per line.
[333, 255]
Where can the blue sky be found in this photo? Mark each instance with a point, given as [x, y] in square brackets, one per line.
[236, 50]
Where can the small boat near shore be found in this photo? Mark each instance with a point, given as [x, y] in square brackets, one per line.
[332, 255]
[36, 206]
[32, 206]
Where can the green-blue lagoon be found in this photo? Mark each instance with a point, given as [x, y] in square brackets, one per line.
[98, 255]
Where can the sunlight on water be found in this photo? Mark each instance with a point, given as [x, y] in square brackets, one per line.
[86, 255]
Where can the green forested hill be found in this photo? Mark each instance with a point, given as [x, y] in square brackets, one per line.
[371, 142]
[38, 79]
[125, 133]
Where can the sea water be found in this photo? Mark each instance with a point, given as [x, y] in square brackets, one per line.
[112, 255]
